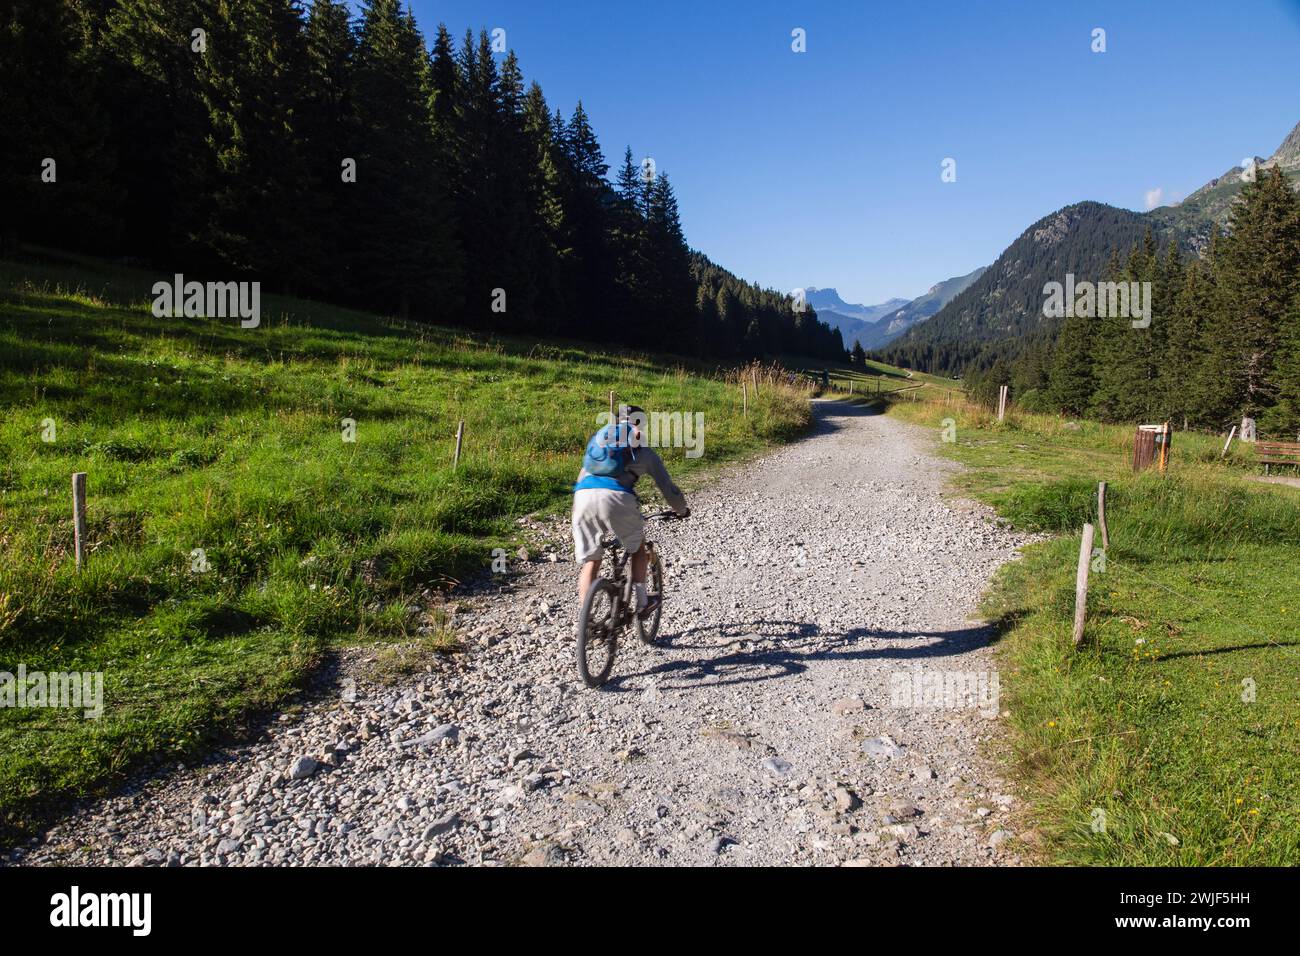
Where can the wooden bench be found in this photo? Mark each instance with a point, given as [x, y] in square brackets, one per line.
[1277, 453]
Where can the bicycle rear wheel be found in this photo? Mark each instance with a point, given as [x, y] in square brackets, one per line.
[648, 629]
[598, 632]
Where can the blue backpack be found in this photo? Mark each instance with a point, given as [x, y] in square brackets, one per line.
[610, 451]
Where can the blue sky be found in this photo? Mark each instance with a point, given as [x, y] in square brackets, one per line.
[823, 168]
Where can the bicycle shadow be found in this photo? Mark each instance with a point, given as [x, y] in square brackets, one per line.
[775, 662]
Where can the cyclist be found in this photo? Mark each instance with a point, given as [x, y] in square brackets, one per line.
[604, 502]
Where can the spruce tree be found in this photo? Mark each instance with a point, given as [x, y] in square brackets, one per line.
[1125, 357]
[674, 286]
[157, 123]
[1257, 270]
[406, 253]
[51, 82]
[1283, 419]
[331, 134]
[251, 175]
[1181, 382]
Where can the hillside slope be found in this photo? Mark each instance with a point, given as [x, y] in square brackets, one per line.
[919, 309]
[1004, 306]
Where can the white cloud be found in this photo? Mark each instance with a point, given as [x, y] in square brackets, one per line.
[1155, 197]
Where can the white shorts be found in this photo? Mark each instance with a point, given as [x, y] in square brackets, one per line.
[598, 512]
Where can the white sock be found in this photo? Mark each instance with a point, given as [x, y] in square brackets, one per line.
[639, 588]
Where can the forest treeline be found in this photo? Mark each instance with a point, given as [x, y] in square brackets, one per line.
[1223, 342]
[343, 157]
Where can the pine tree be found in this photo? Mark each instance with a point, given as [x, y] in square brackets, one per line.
[406, 252]
[156, 122]
[588, 200]
[445, 92]
[49, 82]
[668, 252]
[520, 243]
[1283, 420]
[1125, 357]
[251, 175]
[1257, 270]
[1071, 382]
[331, 135]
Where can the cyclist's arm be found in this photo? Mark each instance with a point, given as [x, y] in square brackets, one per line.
[649, 463]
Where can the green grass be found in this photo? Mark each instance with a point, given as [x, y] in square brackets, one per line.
[197, 434]
[850, 380]
[1199, 596]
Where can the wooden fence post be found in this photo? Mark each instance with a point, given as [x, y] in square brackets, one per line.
[1101, 514]
[753, 374]
[1081, 584]
[612, 419]
[79, 516]
[744, 398]
[460, 434]
[1002, 401]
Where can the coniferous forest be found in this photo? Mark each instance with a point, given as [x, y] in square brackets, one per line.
[352, 160]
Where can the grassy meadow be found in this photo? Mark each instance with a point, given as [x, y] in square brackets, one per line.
[1172, 736]
[870, 379]
[197, 435]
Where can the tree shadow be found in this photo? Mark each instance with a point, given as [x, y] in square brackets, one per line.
[1227, 650]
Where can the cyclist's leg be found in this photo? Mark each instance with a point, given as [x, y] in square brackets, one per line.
[623, 513]
[588, 529]
[587, 575]
[640, 562]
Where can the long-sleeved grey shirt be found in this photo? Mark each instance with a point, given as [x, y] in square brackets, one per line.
[645, 461]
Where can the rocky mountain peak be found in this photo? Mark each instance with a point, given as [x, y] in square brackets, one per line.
[1288, 154]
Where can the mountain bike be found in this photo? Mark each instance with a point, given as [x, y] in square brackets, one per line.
[609, 608]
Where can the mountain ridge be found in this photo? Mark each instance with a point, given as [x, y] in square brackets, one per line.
[1000, 313]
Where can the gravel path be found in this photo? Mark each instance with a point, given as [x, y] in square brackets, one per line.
[811, 596]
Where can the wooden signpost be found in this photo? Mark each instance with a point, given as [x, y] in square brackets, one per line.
[1081, 584]
[460, 434]
[79, 517]
[1101, 514]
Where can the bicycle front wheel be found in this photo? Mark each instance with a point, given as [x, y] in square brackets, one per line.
[648, 628]
[598, 632]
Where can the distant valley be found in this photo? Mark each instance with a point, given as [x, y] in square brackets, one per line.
[877, 325]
